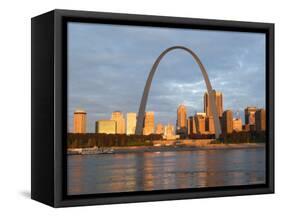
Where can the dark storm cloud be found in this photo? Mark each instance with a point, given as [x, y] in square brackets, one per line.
[108, 66]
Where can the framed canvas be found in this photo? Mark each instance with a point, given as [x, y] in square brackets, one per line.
[133, 108]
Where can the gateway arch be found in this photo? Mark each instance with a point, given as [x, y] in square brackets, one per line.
[211, 92]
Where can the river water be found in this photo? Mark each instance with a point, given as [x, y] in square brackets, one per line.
[125, 172]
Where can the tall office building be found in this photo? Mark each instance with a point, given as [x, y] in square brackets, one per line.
[181, 116]
[79, 121]
[159, 128]
[131, 123]
[120, 121]
[237, 124]
[188, 126]
[260, 120]
[210, 125]
[192, 125]
[218, 102]
[169, 132]
[227, 122]
[181, 121]
[106, 126]
[200, 120]
[148, 123]
[250, 115]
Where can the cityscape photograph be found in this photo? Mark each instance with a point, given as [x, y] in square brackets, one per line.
[153, 108]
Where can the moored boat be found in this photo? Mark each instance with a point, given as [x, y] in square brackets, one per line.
[88, 151]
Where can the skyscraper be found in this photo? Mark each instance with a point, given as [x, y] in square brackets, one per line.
[79, 121]
[106, 126]
[131, 123]
[192, 125]
[218, 101]
[159, 128]
[169, 132]
[200, 119]
[181, 121]
[181, 116]
[237, 124]
[260, 120]
[188, 126]
[148, 123]
[250, 115]
[210, 125]
[227, 122]
[120, 122]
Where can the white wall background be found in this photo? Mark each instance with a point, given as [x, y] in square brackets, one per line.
[15, 107]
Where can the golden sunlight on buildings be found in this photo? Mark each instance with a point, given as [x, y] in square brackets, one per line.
[106, 126]
[181, 121]
[120, 121]
[210, 125]
[159, 129]
[131, 123]
[148, 123]
[79, 121]
[218, 101]
[169, 132]
[237, 124]
[198, 126]
[200, 121]
[192, 125]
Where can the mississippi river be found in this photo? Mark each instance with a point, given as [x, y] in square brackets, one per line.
[145, 171]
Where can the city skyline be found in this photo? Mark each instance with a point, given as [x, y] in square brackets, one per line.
[125, 123]
[104, 76]
[124, 120]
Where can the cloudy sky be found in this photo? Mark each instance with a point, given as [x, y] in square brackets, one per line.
[108, 66]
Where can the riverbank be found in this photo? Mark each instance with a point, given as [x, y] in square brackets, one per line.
[181, 147]
[193, 147]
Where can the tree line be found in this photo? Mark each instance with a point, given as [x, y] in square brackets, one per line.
[242, 137]
[87, 140]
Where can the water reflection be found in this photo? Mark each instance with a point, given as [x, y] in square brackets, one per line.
[164, 170]
[76, 174]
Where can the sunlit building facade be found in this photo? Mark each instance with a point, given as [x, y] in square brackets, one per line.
[188, 126]
[148, 123]
[192, 125]
[117, 116]
[106, 126]
[210, 125]
[169, 132]
[79, 121]
[218, 102]
[131, 123]
[159, 128]
[200, 121]
[181, 121]
[237, 124]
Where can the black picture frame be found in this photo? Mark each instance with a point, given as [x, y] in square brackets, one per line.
[49, 105]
